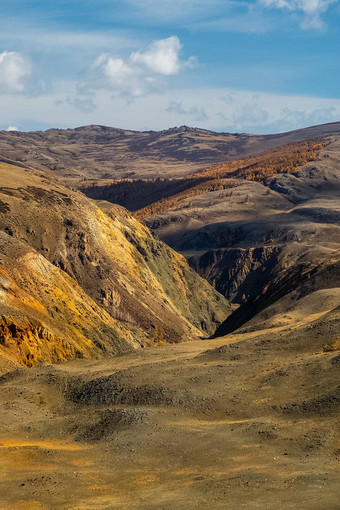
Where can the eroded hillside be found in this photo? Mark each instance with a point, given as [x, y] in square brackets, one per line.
[258, 241]
[240, 421]
[94, 282]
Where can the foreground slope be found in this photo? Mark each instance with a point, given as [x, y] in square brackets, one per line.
[242, 422]
[101, 153]
[84, 282]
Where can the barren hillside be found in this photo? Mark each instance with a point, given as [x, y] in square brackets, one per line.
[105, 153]
[241, 422]
[78, 282]
[258, 241]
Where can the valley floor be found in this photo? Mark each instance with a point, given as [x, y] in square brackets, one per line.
[247, 421]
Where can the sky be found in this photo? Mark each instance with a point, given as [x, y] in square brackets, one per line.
[256, 66]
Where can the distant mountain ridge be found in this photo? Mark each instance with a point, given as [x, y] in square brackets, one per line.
[105, 153]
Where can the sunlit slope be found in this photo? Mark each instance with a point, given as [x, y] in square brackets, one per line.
[143, 290]
[46, 316]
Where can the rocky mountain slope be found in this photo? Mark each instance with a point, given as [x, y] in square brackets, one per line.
[80, 282]
[258, 241]
[104, 153]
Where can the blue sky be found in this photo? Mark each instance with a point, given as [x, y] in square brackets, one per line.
[258, 66]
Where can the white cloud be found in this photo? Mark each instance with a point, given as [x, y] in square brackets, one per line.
[142, 70]
[12, 128]
[114, 69]
[82, 103]
[298, 117]
[14, 69]
[308, 6]
[250, 114]
[312, 9]
[270, 113]
[161, 57]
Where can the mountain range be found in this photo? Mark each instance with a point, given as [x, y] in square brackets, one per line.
[105, 153]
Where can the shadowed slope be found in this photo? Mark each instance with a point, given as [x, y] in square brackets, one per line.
[260, 240]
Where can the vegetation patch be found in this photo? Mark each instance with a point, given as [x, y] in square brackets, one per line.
[283, 160]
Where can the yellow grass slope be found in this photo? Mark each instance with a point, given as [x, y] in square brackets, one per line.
[77, 281]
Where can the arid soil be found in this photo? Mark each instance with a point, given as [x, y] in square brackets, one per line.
[247, 421]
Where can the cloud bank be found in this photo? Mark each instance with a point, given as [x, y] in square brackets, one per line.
[216, 109]
[14, 69]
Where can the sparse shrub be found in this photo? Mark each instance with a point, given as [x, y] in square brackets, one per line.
[159, 334]
[329, 348]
